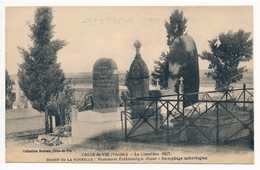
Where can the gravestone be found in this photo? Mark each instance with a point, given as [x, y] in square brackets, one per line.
[105, 84]
[105, 119]
[138, 79]
[183, 62]
[138, 75]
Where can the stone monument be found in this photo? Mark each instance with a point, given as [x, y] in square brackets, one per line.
[105, 118]
[138, 79]
[105, 84]
[138, 75]
[183, 62]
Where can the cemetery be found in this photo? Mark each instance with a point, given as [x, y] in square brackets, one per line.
[168, 116]
[193, 117]
[179, 114]
[108, 107]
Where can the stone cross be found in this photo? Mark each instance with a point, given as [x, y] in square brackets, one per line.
[137, 45]
[157, 83]
[181, 86]
[181, 80]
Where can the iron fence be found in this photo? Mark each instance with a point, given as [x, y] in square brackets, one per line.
[217, 117]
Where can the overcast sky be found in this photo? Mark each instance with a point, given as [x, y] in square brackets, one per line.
[109, 32]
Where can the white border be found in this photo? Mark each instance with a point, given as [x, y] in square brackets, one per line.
[44, 166]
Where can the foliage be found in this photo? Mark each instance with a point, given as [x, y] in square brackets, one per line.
[226, 52]
[161, 71]
[40, 76]
[124, 95]
[62, 103]
[127, 81]
[83, 99]
[175, 28]
[9, 96]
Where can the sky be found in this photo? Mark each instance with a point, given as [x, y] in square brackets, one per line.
[110, 32]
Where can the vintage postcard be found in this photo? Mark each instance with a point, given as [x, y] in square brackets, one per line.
[132, 84]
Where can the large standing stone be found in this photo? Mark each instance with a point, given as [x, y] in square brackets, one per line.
[105, 84]
[183, 62]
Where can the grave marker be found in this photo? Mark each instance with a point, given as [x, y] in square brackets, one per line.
[138, 84]
[105, 84]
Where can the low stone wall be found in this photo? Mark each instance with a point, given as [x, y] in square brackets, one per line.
[21, 122]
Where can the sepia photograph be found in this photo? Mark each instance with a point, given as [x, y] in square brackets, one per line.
[129, 84]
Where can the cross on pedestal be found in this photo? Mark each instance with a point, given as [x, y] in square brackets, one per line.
[181, 86]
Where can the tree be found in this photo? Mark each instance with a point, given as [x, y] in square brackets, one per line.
[226, 52]
[40, 76]
[9, 96]
[175, 28]
[62, 103]
[161, 71]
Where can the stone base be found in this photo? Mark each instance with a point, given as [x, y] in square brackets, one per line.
[143, 127]
[228, 125]
[141, 111]
[92, 124]
[225, 132]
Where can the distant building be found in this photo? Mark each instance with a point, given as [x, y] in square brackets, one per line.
[21, 100]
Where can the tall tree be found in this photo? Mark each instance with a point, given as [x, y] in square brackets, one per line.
[226, 52]
[9, 97]
[175, 28]
[40, 76]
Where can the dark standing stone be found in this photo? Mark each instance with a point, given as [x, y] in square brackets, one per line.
[105, 84]
[138, 79]
[183, 62]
